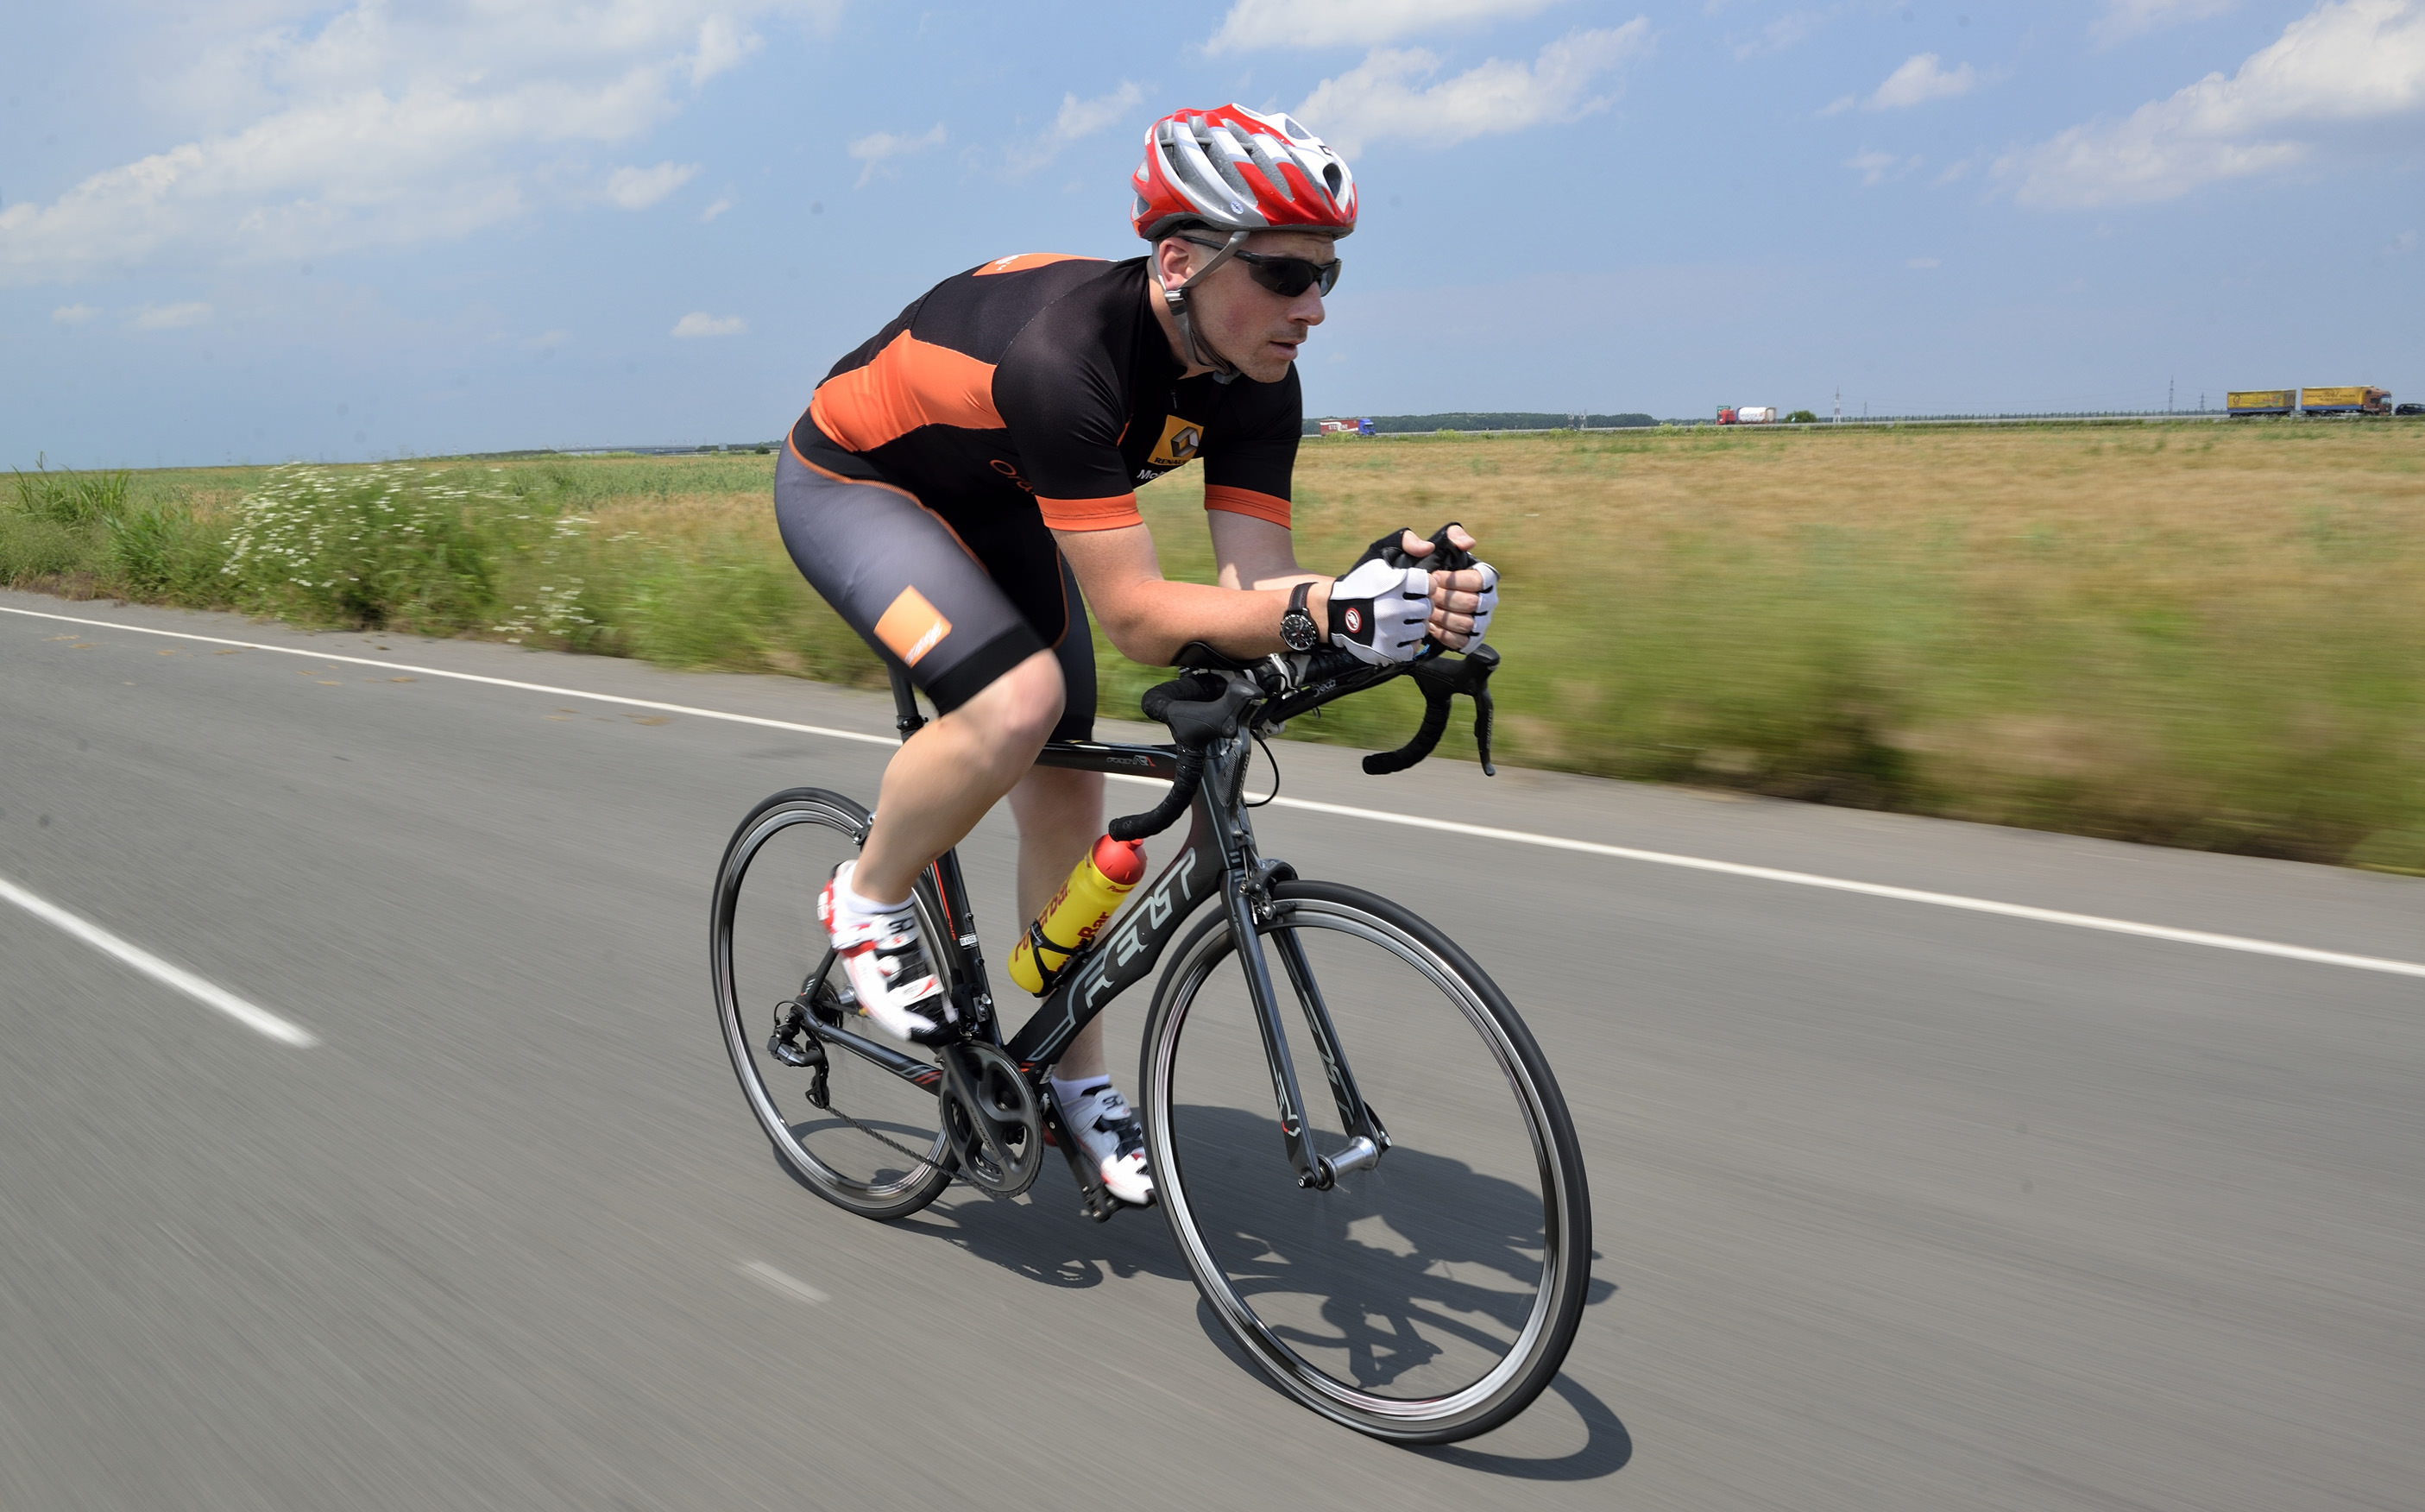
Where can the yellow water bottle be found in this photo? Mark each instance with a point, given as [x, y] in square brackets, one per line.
[1104, 876]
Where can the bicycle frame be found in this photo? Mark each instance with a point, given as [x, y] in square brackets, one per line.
[1219, 860]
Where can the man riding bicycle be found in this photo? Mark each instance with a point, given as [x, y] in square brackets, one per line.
[963, 486]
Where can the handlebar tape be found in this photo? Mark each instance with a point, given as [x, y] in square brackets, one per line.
[1173, 804]
[1436, 703]
[1441, 681]
[1198, 711]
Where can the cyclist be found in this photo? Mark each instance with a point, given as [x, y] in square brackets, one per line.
[963, 485]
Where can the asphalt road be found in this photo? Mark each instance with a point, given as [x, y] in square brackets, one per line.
[1903, 1206]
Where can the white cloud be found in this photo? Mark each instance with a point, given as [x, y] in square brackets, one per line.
[1876, 167]
[719, 206]
[73, 315]
[169, 316]
[878, 148]
[2124, 19]
[1253, 23]
[546, 341]
[700, 323]
[636, 188]
[2346, 62]
[1078, 117]
[1383, 96]
[1788, 30]
[1921, 79]
[723, 43]
[380, 125]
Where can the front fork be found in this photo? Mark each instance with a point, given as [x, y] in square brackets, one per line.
[1366, 1138]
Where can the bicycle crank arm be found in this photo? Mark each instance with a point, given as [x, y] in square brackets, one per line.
[1098, 1203]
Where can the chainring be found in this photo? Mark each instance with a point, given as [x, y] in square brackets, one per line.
[990, 1116]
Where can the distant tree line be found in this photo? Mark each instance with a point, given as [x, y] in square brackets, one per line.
[1495, 420]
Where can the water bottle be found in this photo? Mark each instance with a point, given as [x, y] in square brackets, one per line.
[1104, 876]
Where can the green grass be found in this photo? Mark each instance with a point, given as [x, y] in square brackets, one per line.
[2196, 634]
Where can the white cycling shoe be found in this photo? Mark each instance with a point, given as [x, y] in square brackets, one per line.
[887, 965]
[1108, 1131]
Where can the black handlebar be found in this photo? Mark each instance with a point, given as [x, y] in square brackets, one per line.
[1199, 710]
[1441, 681]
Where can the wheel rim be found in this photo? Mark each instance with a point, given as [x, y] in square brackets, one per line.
[1515, 1346]
[825, 1150]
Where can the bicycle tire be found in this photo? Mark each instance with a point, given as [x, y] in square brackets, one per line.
[1538, 1340]
[877, 1195]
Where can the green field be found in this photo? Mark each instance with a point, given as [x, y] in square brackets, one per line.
[2191, 634]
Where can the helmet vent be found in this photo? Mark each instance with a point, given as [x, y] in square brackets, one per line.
[1331, 176]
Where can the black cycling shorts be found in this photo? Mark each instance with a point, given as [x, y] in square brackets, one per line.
[953, 599]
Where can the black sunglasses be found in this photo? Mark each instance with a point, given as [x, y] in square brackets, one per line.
[1287, 276]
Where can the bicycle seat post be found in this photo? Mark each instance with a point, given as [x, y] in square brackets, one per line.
[905, 717]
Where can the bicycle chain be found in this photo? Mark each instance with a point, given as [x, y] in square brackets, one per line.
[887, 1141]
[900, 1148]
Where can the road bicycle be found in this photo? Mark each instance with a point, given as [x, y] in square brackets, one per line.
[1418, 1279]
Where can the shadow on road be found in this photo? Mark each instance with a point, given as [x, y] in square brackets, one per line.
[1409, 1278]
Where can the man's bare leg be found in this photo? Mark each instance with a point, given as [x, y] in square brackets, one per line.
[1060, 813]
[944, 778]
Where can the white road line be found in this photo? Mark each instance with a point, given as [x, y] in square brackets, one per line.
[260, 1020]
[473, 677]
[791, 1286]
[1879, 890]
[1517, 837]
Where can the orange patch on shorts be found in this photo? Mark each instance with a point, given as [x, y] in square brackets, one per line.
[912, 626]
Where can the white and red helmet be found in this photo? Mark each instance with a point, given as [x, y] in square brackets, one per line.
[1234, 169]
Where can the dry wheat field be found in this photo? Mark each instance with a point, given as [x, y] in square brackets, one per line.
[2196, 633]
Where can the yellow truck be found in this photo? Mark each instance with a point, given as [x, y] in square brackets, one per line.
[2261, 401]
[2356, 399]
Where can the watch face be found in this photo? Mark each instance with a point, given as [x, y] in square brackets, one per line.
[1297, 629]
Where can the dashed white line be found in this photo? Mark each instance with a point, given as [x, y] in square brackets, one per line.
[791, 1286]
[261, 1020]
[1518, 837]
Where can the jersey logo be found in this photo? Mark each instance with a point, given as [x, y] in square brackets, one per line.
[912, 626]
[1180, 438]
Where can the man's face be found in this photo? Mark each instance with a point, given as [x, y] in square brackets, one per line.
[1248, 324]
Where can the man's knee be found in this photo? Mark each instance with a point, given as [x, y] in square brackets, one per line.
[1016, 711]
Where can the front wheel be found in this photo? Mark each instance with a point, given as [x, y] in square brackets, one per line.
[1433, 1296]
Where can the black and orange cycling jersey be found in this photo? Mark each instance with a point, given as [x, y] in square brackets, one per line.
[1047, 377]
[920, 492]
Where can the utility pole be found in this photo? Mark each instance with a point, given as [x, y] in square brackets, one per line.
[1840, 405]
[2168, 394]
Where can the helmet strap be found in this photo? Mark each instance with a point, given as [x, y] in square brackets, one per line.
[1199, 352]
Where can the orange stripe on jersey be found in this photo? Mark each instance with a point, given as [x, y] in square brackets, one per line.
[1090, 514]
[1246, 501]
[908, 384]
[1027, 260]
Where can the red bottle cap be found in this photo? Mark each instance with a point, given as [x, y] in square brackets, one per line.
[1122, 860]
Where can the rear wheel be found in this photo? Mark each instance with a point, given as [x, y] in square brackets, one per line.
[874, 1145]
[1433, 1296]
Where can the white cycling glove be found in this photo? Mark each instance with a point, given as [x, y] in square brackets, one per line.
[1489, 596]
[1379, 613]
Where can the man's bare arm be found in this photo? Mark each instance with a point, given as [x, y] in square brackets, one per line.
[1149, 618]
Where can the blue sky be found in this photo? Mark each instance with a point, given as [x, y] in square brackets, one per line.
[255, 230]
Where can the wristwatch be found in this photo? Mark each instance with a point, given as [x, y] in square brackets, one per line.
[1297, 629]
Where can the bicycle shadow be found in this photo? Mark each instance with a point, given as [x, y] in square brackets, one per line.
[1421, 1265]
